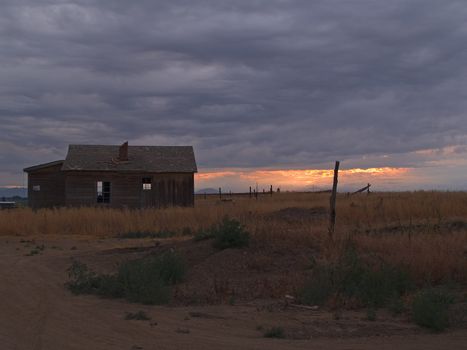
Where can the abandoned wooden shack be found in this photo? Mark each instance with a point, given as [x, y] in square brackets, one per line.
[115, 176]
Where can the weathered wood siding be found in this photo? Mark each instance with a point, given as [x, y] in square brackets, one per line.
[126, 189]
[52, 187]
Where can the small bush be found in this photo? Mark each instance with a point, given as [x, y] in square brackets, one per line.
[139, 316]
[145, 280]
[230, 234]
[431, 309]
[82, 280]
[274, 332]
[371, 284]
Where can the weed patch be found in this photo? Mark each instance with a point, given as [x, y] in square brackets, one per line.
[229, 233]
[144, 281]
[370, 284]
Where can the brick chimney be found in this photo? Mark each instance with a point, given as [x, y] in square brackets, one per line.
[123, 152]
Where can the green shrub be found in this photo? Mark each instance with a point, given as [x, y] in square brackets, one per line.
[145, 280]
[274, 332]
[140, 282]
[371, 284]
[172, 268]
[380, 284]
[82, 280]
[230, 234]
[430, 309]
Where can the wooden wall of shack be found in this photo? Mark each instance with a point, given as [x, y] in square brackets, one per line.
[126, 189]
[79, 188]
[46, 187]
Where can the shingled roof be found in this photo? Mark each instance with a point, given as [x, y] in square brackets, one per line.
[156, 159]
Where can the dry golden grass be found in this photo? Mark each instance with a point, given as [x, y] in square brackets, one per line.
[426, 231]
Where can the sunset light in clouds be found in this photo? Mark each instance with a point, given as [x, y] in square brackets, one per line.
[305, 179]
[267, 91]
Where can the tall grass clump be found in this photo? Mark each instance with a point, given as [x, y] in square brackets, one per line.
[146, 280]
[367, 283]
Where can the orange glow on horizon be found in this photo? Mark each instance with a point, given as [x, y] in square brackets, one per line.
[214, 175]
[293, 178]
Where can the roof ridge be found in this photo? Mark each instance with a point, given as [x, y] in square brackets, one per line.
[157, 159]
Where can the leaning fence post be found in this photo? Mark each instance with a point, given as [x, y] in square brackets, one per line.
[332, 213]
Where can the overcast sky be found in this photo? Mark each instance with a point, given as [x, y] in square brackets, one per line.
[254, 84]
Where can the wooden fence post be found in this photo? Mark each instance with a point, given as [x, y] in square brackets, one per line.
[250, 191]
[220, 193]
[332, 213]
[271, 190]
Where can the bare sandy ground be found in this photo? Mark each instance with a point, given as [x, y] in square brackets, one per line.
[37, 312]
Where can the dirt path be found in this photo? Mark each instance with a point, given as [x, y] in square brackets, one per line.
[37, 312]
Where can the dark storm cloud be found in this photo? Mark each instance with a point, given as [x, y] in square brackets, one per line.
[268, 83]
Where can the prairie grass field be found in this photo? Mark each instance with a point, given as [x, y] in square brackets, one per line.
[425, 231]
[393, 273]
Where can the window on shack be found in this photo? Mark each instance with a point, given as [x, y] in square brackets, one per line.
[36, 188]
[147, 183]
[103, 192]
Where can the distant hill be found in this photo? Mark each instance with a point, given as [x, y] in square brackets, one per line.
[8, 192]
[207, 191]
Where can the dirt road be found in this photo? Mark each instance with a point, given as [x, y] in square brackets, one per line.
[37, 312]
